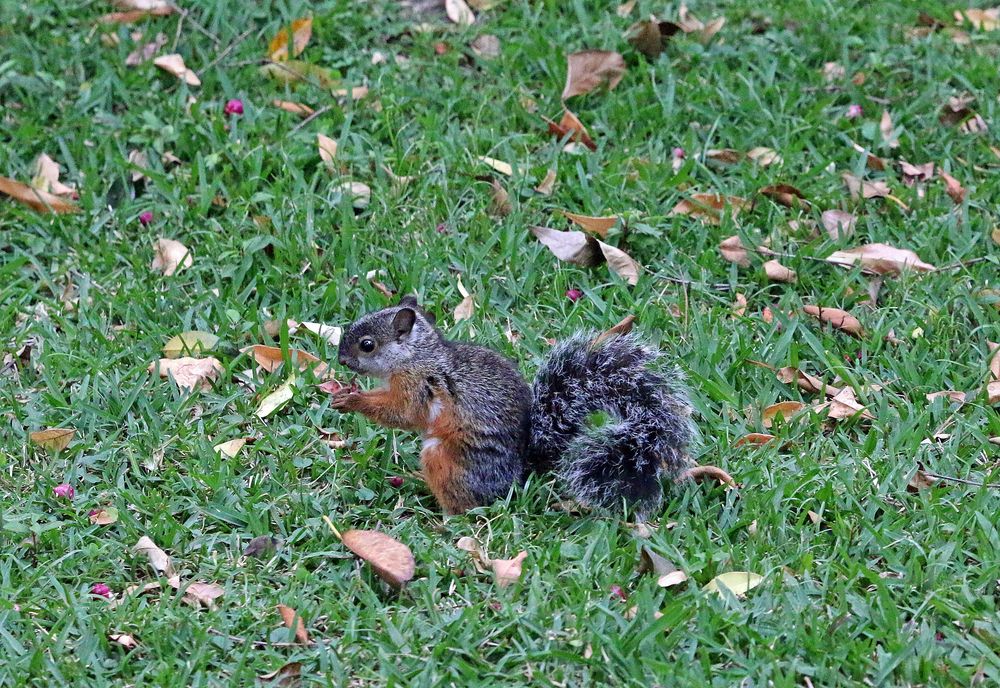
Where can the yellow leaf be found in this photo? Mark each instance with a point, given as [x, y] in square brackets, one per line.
[276, 399]
[736, 582]
[53, 439]
[301, 33]
[231, 448]
[192, 342]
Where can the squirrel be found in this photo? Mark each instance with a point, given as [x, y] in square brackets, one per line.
[598, 414]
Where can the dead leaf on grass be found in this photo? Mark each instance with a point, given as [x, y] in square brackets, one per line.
[270, 358]
[301, 30]
[327, 150]
[881, 259]
[47, 177]
[754, 438]
[291, 619]
[546, 186]
[786, 195]
[776, 272]
[158, 559]
[739, 583]
[889, 135]
[508, 571]
[591, 69]
[842, 406]
[169, 256]
[805, 381]
[36, 199]
[389, 558]
[859, 188]
[838, 224]
[465, 309]
[230, 448]
[188, 373]
[188, 343]
[286, 676]
[764, 156]
[459, 12]
[649, 36]
[202, 594]
[500, 205]
[950, 394]
[709, 207]
[103, 517]
[486, 46]
[595, 225]
[174, 64]
[53, 439]
[276, 399]
[732, 250]
[980, 19]
[146, 52]
[570, 126]
[293, 108]
[953, 187]
[920, 481]
[124, 639]
[784, 409]
[840, 319]
[498, 165]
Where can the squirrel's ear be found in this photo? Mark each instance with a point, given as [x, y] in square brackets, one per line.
[409, 300]
[403, 321]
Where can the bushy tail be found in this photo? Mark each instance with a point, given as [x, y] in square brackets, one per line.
[609, 418]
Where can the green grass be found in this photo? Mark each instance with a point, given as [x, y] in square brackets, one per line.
[892, 588]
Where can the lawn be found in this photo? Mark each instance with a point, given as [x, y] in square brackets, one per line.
[873, 573]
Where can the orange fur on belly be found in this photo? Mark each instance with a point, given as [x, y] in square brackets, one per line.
[441, 457]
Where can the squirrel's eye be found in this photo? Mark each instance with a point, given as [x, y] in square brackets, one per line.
[367, 345]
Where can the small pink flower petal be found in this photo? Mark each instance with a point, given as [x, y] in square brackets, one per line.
[396, 481]
[679, 152]
[234, 107]
[574, 295]
[101, 590]
[853, 111]
[616, 591]
[146, 216]
[64, 490]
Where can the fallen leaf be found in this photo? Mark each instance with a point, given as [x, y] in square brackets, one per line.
[276, 399]
[709, 207]
[881, 259]
[103, 517]
[738, 583]
[838, 224]
[621, 263]
[950, 394]
[994, 360]
[805, 381]
[570, 126]
[546, 186]
[740, 305]
[191, 342]
[301, 33]
[47, 177]
[953, 187]
[840, 319]
[754, 438]
[776, 272]
[293, 71]
[189, 373]
[573, 246]
[354, 93]
[262, 545]
[158, 559]
[230, 448]
[359, 193]
[651, 562]
[594, 225]
[981, 19]
[786, 195]
[623, 326]
[137, 10]
[700, 473]
[732, 250]
[649, 36]
[993, 392]
[390, 559]
[500, 205]
[508, 571]
[863, 188]
[465, 309]
[330, 333]
[844, 405]
[916, 173]
[591, 69]
[726, 156]
[287, 676]
[833, 71]
[625, 9]
[498, 165]
[37, 199]
[815, 518]
[920, 481]
[671, 579]
[145, 52]
[291, 619]
[888, 131]
[459, 12]
[294, 108]
[202, 594]
[785, 409]
[174, 64]
[327, 149]
[486, 46]
[688, 23]
[169, 256]
[53, 439]
[124, 639]
[270, 358]
[764, 156]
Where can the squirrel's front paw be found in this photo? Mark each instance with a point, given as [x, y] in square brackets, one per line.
[345, 400]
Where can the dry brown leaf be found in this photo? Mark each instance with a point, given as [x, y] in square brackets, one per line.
[776, 272]
[124, 639]
[327, 149]
[230, 448]
[701, 473]
[833, 71]
[465, 309]
[486, 46]
[842, 406]
[145, 52]
[709, 207]
[950, 394]
[888, 131]
[980, 19]
[916, 173]
[498, 165]
[840, 319]
[301, 33]
[103, 517]
[37, 199]
[953, 187]
[189, 373]
[174, 64]
[158, 559]
[137, 10]
[270, 358]
[805, 381]
[573, 246]
[294, 108]
[594, 225]
[169, 256]
[621, 263]
[786, 195]
[199, 594]
[651, 562]
[389, 558]
[785, 409]
[754, 438]
[500, 205]
[286, 676]
[53, 439]
[993, 392]
[47, 177]
[649, 36]
[740, 305]
[838, 224]
[920, 481]
[508, 571]
[764, 156]
[291, 619]
[859, 188]
[625, 9]
[732, 250]
[881, 259]
[570, 126]
[546, 186]
[623, 326]
[591, 69]
[724, 156]
[459, 12]
[688, 23]
[994, 360]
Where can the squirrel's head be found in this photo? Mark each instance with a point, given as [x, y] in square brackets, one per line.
[388, 341]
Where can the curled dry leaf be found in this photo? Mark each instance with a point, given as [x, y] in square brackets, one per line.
[390, 559]
[465, 309]
[199, 594]
[580, 248]
[950, 394]
[701, 473]
[292, 107]
[732, 250]
[189, 343]
[725, 156]
[688, 23]
[486, 46]
[498, 165]
[301, 33]
[189, 373]
[889, 136]
[881, 259]
[459, 12]
[651, 562]
[754, 438]
[124, 639]
[103, 517]
[286, 676]
[623, 326]
[953, 187]
[786, 195]
[571, 126]
[591, 69]
[276, 399]
[840, 319]
[270, 358]
[230, 448]
[174, 64]
[784, 409]
[859, 188]
[508, 571]
[39, 200]
[764, 156]
[53, 439]
[993, 392]
[920, 481]
[327, 149]
[169, 256]
[649, 36]
[738, 583]
[776, 272]
[546, 186]
[709, 207]
[739, 305]
[47, 177]
[805, 381]
[330, 333]
[595, 225]
[625, 9]
[500, 205]
[359, 193]
[838, 224]
[980, 19]
[145, 52]
[842, 406]
[916, 173]
[291, 619]
[158, 559]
